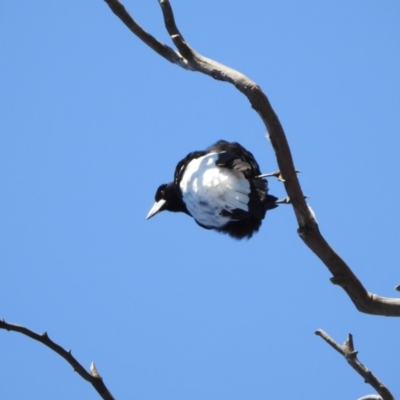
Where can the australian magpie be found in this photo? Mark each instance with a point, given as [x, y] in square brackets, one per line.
[221, 188]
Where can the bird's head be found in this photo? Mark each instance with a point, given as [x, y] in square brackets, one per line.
[167, 198]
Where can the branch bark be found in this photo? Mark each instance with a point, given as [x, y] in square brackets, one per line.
[94, 378]
[308, 229]
[348, 352]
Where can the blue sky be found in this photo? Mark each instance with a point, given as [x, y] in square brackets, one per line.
[93, 121]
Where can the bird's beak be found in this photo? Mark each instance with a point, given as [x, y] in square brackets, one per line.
[158, 207]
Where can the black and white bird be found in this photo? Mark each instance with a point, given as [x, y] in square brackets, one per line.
[221, 188]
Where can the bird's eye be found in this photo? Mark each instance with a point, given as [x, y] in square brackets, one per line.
[162, 193]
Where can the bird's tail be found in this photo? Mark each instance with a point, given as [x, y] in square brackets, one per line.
[270, 202]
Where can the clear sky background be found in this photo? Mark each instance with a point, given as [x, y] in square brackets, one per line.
[92, 121]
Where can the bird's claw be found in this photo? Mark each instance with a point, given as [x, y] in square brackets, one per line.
[287, 200]
[276, 174]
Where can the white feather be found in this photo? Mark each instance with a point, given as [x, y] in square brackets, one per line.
[208, 189]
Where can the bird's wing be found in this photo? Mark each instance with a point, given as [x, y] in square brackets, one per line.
[235, 156]
[231, 160]
[259, 199]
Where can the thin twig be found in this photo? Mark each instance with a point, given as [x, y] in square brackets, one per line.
[348, 352]
[308, 228]
[162, 49]
[95, 379]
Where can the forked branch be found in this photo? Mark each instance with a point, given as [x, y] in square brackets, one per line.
[308, 229]
[93, 377]
[348, 352]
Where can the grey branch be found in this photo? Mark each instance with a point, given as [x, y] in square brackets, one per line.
[94, 378]
[308, 228]
[348, 352]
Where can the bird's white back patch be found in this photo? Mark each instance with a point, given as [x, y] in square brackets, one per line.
[208, 189]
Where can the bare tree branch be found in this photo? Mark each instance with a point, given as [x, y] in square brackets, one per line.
[160, 48]
[308, 228]
[94, 378]
[348, 352]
